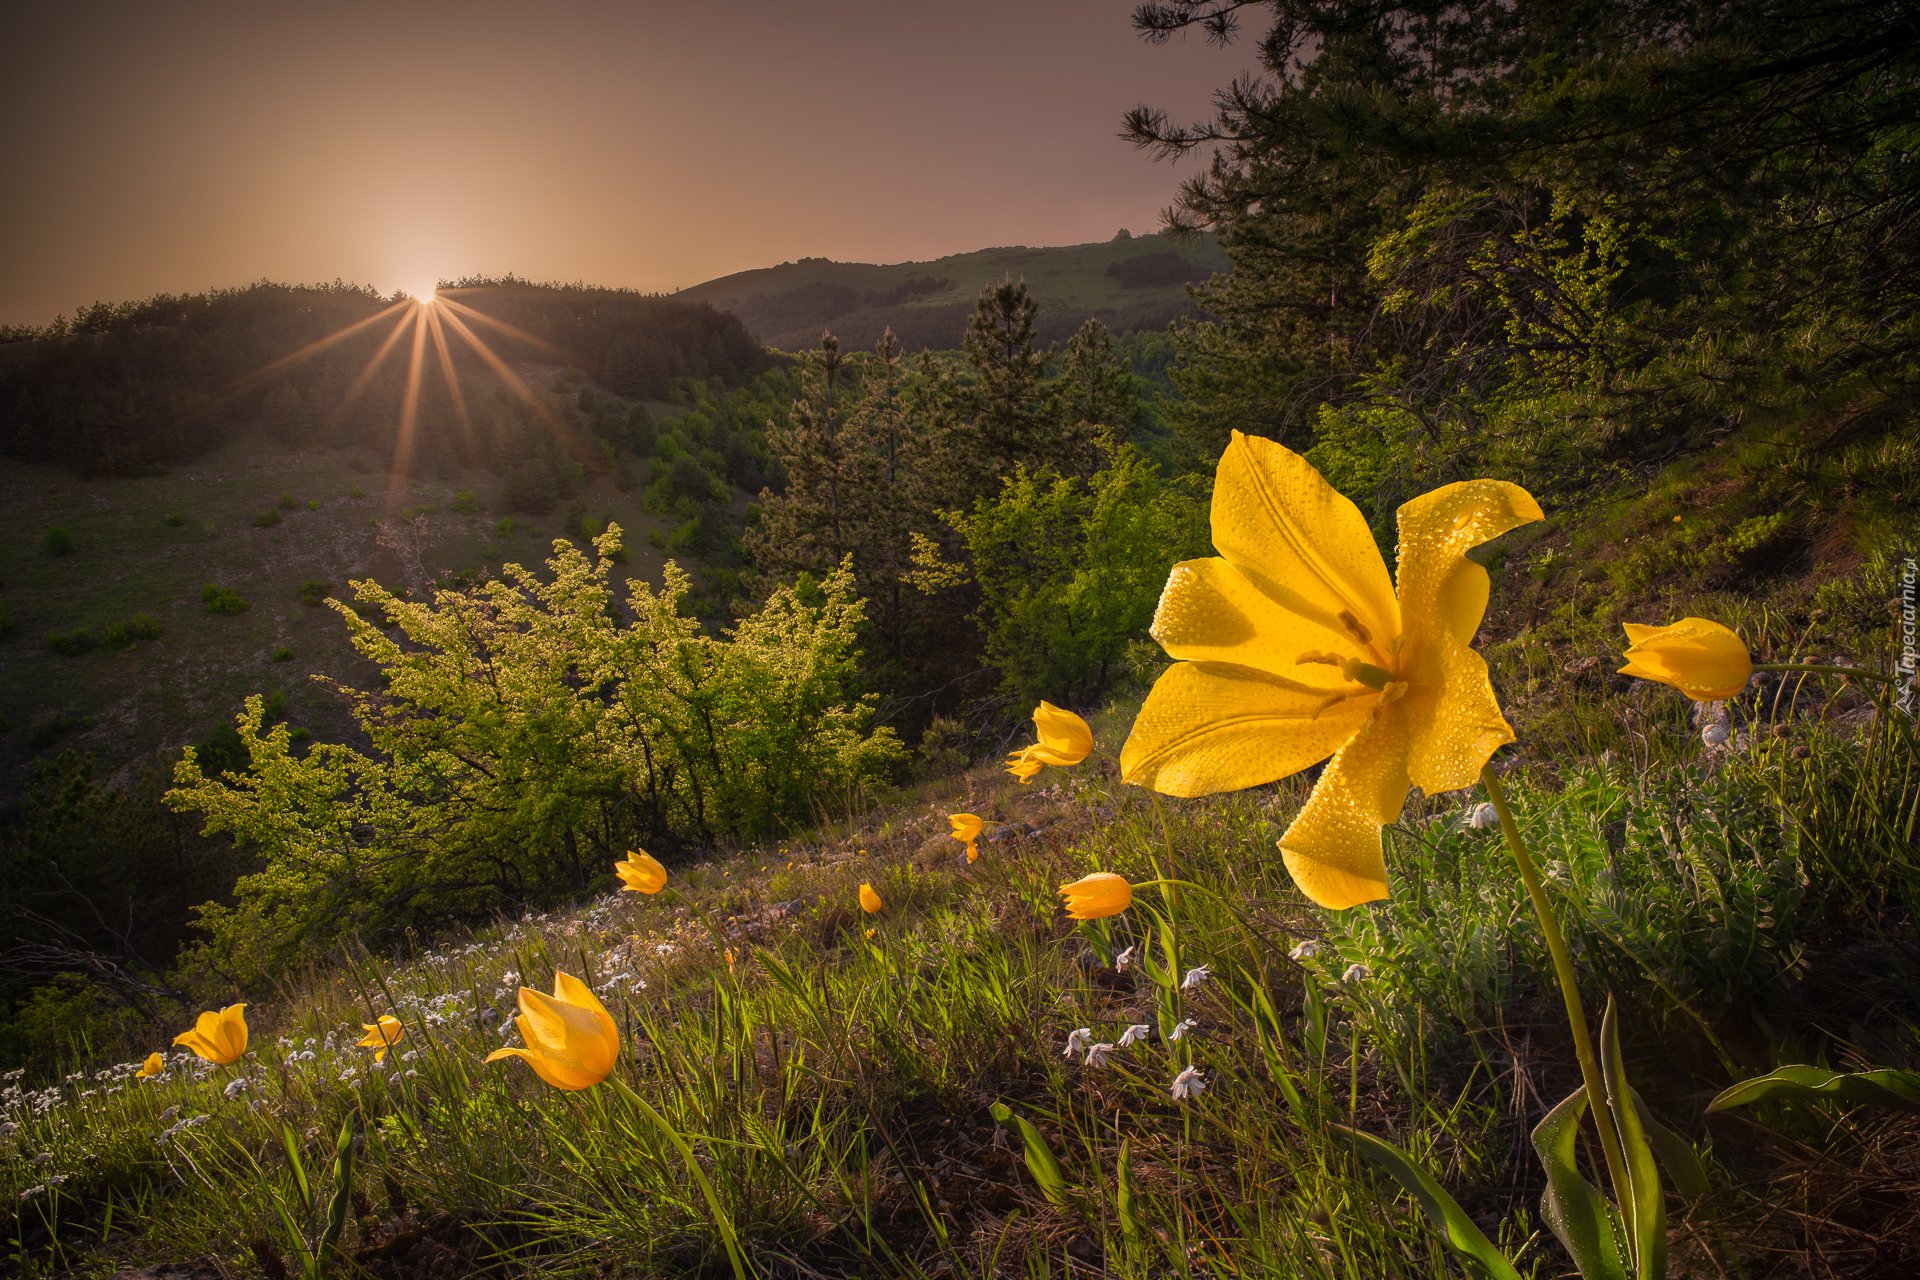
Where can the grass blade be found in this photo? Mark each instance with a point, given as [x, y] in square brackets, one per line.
[1454, 1225]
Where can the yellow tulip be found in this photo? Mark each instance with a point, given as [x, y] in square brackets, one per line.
[641, 873]
[1023, 766]
[571, 1040]
[1097, 896]
[218, 1037]
[1065, 739]
[869, 900]
[1701, 659]
[153, 1066]
[1293, 645]
[967, 827]
[382, 1035]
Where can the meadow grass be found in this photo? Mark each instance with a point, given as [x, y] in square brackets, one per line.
[830, 1093]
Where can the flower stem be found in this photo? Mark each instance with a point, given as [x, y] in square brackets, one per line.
[1171, 874]
[1569, 994]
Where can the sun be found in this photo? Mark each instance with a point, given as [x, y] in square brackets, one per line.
[423, 293]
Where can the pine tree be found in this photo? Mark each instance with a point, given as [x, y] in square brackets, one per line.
[1012, 416]
[1097, 396]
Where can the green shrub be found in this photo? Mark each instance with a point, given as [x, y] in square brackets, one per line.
[175, 519]
[313, 504]
[300, 736]
[222, 599]
[265, 519]
[505, 528]
[290, 502]
[71, 644]
[313, 591]
[356, 492]
[116, 637]
[142, 626]
[283, 654]
[276, 706]
[59, 542]
[466, 502]
[52, 727]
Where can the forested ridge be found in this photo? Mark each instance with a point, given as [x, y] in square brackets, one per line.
[122, 388]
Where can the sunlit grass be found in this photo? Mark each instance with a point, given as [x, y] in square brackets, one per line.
[834, 1089]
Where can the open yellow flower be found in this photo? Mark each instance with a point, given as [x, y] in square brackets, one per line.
[1097, 895]
[571, 1040]
[870, 901]
[1701, 659]
[1295, 645]
[153, 1066]
[1065, 739]
[641, 873]
[382, 1036]
[218, 1037]
[967, 827]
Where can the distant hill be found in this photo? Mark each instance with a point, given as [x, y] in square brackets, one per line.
[1135, 283]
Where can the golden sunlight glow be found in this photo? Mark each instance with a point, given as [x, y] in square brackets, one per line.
[422, 325]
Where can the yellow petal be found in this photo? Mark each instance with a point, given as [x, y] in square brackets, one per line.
[1210, 611]
[1065, 736]
[1297, 539]
[966, 826]
[1455, 724]
[1023, 765]
[1333, 848]
[641, 873]
[1453, 720]
[1701, 658]
[153, 1066]
[869, 900]
[559, 1074]
[1437, 529]
[1208, 727]
[1097, 895]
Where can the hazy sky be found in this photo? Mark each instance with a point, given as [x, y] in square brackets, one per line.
[181, 146]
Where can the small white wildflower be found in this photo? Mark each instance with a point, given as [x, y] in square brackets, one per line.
[1097, 1055]
[1483, 815]
[1181, 1028]
[8, 1129]
[170, 1113]
[1195, 976]
[1356, 973]
[45, 1157]
[1305, 951]
[311, 1042]
[1125, 958]
[1716, 734]
[409, 1055]
[1188, 1084]
[412, 1074]
[1077, 1040]
[1136, 1034]
[234, 1086]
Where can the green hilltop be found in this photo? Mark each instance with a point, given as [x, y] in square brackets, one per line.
[1130, 283]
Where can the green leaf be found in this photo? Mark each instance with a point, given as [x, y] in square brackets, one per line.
[1887, 1088]
[1647, 1221]
[1454, 1224]
[1675, 1153]
[292, 1144]
[1578, 1214]
[1126, 1199]
[1045, 1169]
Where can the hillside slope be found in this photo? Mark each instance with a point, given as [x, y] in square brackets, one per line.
[1137, 283]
